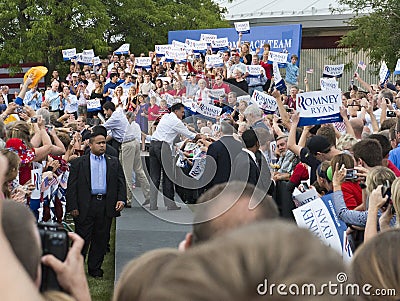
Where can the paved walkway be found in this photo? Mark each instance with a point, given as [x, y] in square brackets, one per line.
[139, 230]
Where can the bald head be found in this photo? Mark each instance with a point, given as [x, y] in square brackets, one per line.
[358, 125]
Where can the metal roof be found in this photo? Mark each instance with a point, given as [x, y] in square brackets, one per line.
[252, 9]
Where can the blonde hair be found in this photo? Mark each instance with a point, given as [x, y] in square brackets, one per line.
[138, 275]
[378, 176]
[346, 142]
[377, 263]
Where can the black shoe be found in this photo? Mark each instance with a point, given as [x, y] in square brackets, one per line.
[128, 206]
[153, 208]
[174, 208]
[146, 203]
[96, 274]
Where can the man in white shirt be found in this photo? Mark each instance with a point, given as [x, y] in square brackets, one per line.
[147, 85]
[70, 102]
[160, 153]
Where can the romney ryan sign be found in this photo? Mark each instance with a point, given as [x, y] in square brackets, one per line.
[284, 38]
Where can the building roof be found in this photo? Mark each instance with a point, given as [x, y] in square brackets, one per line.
[252, 9]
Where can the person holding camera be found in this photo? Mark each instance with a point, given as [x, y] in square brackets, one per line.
[96, 194]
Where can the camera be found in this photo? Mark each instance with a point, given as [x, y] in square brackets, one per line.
[34, 120]
[390, 114]
[54, 240]
[351, 174]
[386, 191]
[19, 110]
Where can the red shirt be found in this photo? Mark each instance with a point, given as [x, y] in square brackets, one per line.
[223, 86]
[393, 168]
[352, 194]
[155, 110]
[269, 71]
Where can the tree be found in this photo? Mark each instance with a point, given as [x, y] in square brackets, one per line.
[377, 27]
[37, 31]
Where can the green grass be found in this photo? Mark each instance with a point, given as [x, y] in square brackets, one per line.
[102, 289]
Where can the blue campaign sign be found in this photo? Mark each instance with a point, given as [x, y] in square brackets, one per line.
[281, 38]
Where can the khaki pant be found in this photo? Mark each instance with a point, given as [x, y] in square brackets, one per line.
[131, 160]
[151, 127]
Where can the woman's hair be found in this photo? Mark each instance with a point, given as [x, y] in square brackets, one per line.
[322, 171]
[342, 159]
[377, 263]
[139, 274]
[346, 142]
[395, 190]
[378, 176]
[234, 266]
[20, 130]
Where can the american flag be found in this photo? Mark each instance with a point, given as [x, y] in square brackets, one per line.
[362, 65]
[310, 70]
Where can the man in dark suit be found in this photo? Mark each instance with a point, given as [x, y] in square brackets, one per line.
[96, 194]
[223, 152]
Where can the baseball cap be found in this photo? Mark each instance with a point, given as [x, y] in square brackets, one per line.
[318, 144]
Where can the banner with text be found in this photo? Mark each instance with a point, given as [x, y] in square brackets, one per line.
[266, 102]
[333, 70]
[319, 107]
[208, 110]
[277, 57]
[213, 61]
[123, 49]
[69, 54]
[143, 62]
[384, 73]
[221, 44]
[243, 27]
[208, 38]
[328, 84]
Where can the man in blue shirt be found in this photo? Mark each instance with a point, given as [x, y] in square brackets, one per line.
[110, 87]
[96, 194]
[292, 72]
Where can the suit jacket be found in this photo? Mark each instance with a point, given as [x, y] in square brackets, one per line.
[245, 169]
[79, 186]
[224, 152]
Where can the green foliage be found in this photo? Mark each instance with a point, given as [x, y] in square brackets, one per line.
[37, 30]
[376, 28]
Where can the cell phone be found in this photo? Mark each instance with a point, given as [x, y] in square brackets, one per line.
[33, 119]
[18, 110]
[49, 128]
[351, 174]
[55, 241]
[390, 114]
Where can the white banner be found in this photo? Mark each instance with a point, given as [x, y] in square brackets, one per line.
[84, 59]
[333, 70]
[144, 62]
[169, 98]
[208, 110]
[214, 60]
[199, 46]
[319, 107]
[328, 84]
[397, 69]
[301, 198]
[199, 165]
[383, 73]
[69, 54]
[277, 73]
[93, 104]
[246, 98]
[175, 55]
[88, 52]
[96, 61]
[278, 57]
[216, 93]
[219, 43]
[265, 102]
[180, 45]
[253, 70]
[315, 217]
[243, 27]
[36, 176]
[161, 49]
[123, 49]
[206, 37]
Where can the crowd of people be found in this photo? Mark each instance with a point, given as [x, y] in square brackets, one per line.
[77, 148]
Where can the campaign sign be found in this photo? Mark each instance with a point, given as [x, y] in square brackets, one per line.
[266, 102]
[36, 176]
[143, 62]
[328, 84]
[96, 61]
[161, 49]
[243, 27]
[175, 55]
[208, 110]
[319, 107]
[280, 84]
[214, 60]
[253, 70]
[301, 198]
[384, 73]
[333, 70]
[214, 94]
[320, 218]
[277, 57]
[199, 165]
[220, 44]
[69, 54]
[206, 37]
[93, 105]
[123, 49]
[180, 45]
[397, 69]
[85, 59]
[88, 53]
[199, 47]
[246, 98]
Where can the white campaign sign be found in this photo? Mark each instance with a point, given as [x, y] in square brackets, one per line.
[333, 70]
[208, 110]
[328, 84]
[177, 55]
[266, 102]
[93, 105]
[88, 52]
[143, 61]
[69, 54]
[277, 73]
[161, 49]
[180, 45]
[219, 43]
[397, 69]
[123, 49]
[206, 37]
[214, 60]
[315, 217]
[216, 93]
[243, 27]
[383, 73]
[253, 70]
[96, 61]
[319, 107]
[278, 57]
